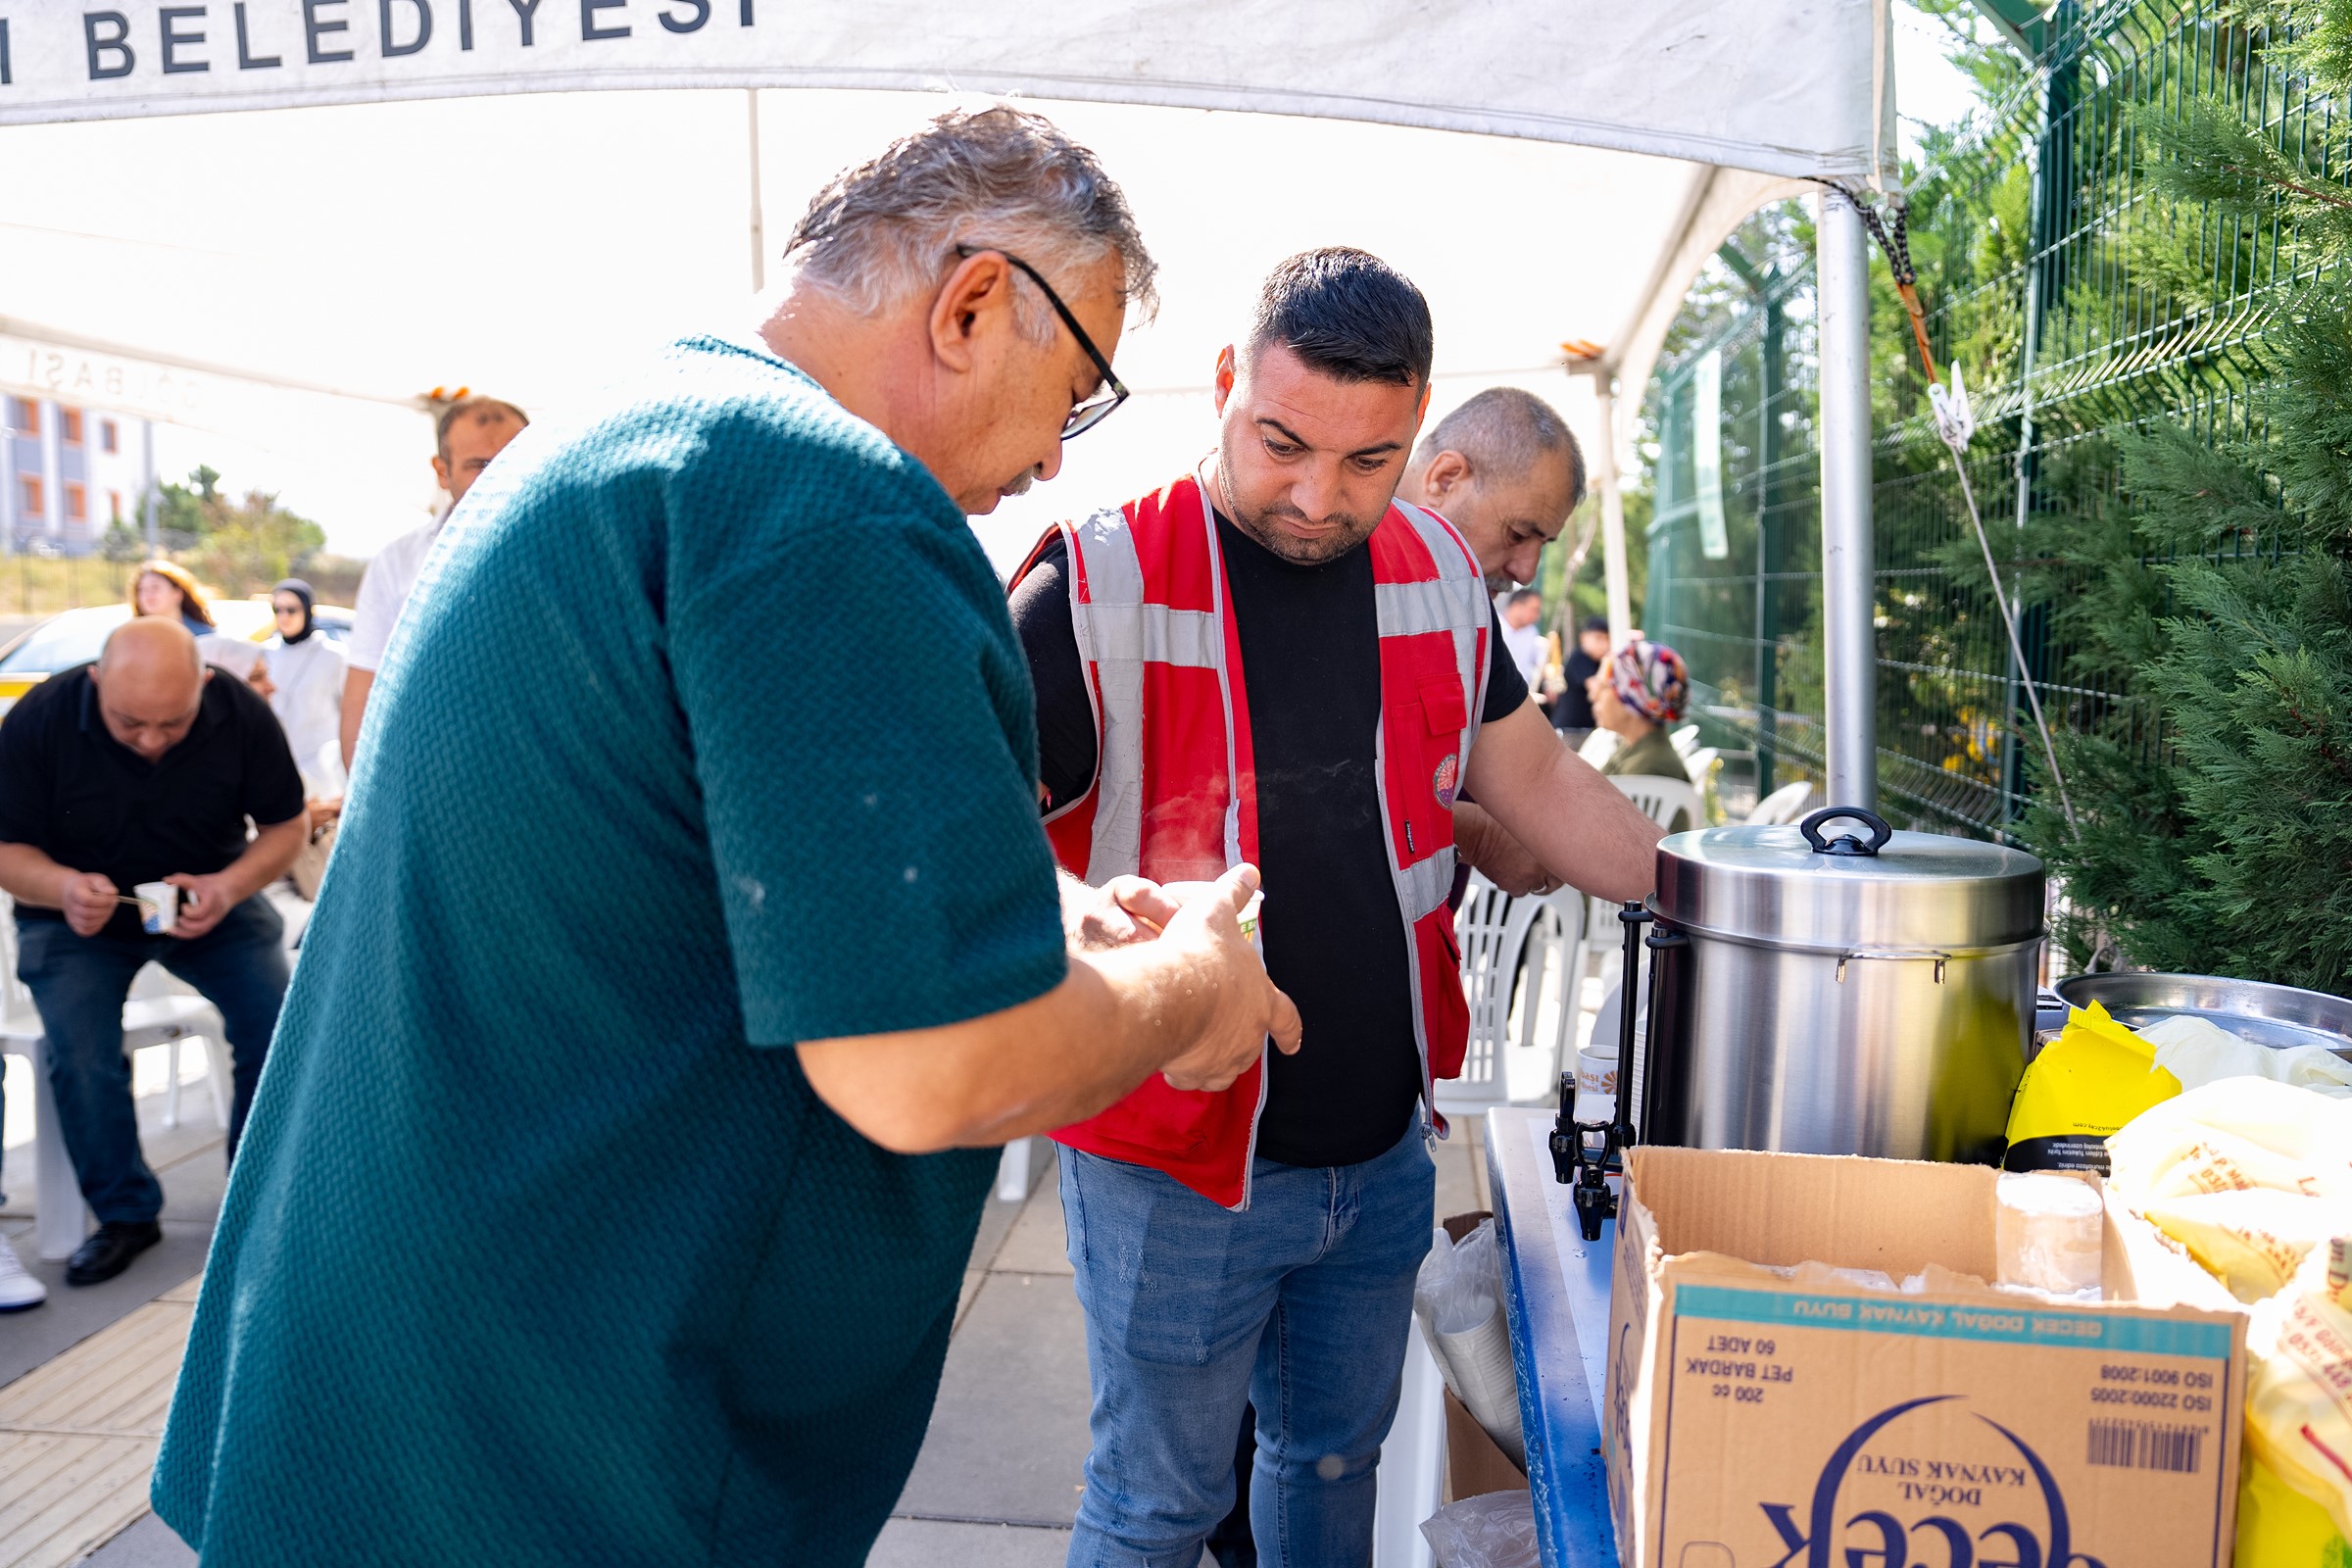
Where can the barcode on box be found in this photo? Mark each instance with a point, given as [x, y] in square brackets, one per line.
[2140, 1445]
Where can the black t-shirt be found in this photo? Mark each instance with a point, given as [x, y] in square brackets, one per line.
[1572, 709]
[82, 798]
[1334, 937]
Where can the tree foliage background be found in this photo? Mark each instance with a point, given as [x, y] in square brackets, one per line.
[2213, 587]
[240, 545]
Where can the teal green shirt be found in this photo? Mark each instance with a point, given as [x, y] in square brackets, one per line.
[706, 732]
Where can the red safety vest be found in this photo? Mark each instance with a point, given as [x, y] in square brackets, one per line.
[1175, 791]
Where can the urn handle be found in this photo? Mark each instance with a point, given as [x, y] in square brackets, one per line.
[1845, 843]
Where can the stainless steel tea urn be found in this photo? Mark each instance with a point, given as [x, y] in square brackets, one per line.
[1839, 994]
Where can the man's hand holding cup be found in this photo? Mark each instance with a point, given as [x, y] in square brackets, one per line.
[89, 901]
[1245, 1006]
[1122, 911]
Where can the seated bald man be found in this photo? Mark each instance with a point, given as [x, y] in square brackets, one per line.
[142, 767]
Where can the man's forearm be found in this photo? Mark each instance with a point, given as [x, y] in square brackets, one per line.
[1592, 838]
[267, 857]
[31, 877]
[355, 685]
[1572, 819]
[1130, 1010]
[1116, 1018]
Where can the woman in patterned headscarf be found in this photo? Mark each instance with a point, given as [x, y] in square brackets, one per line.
[1638, 695]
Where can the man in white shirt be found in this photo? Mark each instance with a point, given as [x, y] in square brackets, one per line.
[469, 434]
[1520, 610]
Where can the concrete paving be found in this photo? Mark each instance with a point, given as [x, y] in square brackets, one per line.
[188, 1161]
[997, 1480]
[149, 1543]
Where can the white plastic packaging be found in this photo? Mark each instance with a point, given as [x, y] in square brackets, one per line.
[1459, 1299]
[2049, 1234]
[1494, 1531]
[2199, 1050]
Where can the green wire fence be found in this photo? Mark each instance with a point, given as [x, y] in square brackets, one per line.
[2076, 301]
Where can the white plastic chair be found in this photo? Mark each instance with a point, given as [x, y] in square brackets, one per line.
[1012, 1172]
[1685, 740]
[1551, 978]
[1528, 951]
[60, 1217]
[1599, 746]
[1660, 797]
[1783, 806]
[1660, 800]
[1491, 931]
[155, 984]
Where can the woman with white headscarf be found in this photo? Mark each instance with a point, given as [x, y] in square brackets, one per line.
[307, 672]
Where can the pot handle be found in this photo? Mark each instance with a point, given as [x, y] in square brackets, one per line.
[1845, 843]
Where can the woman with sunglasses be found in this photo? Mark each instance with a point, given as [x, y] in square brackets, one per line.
[308, 672]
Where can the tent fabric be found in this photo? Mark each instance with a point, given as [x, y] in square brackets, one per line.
[1793, 87]
[1721, 200]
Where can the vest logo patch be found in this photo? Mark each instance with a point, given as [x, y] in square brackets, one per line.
[1447, 777]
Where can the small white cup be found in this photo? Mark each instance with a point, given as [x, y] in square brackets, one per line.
[1597, 1071]
[159, 907]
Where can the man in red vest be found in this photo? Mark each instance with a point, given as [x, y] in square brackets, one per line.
[1271, 661]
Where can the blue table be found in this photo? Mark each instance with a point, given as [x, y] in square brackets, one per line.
[1557, 1298]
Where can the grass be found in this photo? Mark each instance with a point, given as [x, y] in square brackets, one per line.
[30, 586]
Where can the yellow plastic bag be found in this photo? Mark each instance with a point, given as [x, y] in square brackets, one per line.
[2252, 1240]
[2278, 1527]
[2087, 1083]
[2299, 1383]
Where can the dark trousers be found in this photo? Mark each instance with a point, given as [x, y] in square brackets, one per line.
[80, 984]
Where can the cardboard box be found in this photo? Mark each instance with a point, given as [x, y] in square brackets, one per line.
[1475, 1464]
[1757, 1420]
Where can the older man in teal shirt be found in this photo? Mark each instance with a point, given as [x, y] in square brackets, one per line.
[607, 1196]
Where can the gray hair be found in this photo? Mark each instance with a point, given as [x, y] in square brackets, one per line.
[1504, 431]
[995, 178]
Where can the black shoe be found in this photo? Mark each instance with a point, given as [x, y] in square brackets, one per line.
[109, 1251]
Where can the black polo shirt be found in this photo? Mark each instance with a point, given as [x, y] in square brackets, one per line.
[82, 798]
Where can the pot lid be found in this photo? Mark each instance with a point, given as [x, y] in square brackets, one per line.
[1845, 880]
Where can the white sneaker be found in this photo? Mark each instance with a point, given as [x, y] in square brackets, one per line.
[17, 1289]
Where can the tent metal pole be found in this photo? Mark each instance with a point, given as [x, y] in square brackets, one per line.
[148, 524]
[751, 96]
[1612, 512]
[1849, 651]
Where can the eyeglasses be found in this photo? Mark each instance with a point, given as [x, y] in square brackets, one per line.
[1089, 411]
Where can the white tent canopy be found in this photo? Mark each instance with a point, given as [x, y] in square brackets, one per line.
[1783, 87]
[1747, 98]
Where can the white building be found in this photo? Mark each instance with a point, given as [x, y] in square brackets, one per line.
[67, 473]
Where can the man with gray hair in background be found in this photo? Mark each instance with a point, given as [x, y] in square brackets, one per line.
[1507, 470]
[614, 1179]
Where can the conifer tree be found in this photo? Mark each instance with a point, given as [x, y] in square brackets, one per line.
[2213, 812]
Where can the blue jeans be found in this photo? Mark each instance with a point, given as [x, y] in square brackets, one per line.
[79, 983]
[1300, 1305]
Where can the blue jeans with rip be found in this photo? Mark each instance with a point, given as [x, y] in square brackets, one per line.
[79, 983]
[1298, 1305]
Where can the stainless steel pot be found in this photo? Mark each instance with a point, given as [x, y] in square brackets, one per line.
[1838, 996]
